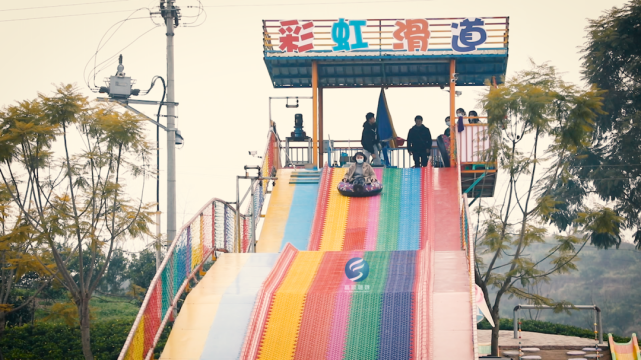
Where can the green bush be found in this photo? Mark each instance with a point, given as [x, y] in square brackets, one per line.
[58, 341]
[544, 327]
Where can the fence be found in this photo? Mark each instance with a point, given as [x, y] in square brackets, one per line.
[211, 231]
[399, 157]
[473, 143]
[468, 246]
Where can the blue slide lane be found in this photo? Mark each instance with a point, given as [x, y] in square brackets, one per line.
[410, 210]
[227, 332]
[396, 318]
[301, 216]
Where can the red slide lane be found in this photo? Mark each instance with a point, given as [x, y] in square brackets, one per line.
[446, 216]
[356, 224]
[321, 209]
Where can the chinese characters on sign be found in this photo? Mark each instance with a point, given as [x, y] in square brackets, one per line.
[411, 35]
[296, 36]
[347, 39]
[468, 35]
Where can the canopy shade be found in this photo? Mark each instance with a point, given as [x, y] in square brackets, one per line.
[386, 70]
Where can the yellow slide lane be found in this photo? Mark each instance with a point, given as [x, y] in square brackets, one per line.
[281, 334]
[336, 215]
[271, 236]
[189, 334]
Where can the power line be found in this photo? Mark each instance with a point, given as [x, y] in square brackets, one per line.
[55, 6]
[318, 3]
[62, 16]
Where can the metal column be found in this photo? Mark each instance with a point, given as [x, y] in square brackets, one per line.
[452, 113]
[168, 14]
[315, 112]
[321, 150]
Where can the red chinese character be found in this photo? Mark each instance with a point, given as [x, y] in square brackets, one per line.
[289, 42]
[296, 37]
[413, 34]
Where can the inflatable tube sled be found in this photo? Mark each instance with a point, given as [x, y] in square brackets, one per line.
[445, 155]
[347, 189]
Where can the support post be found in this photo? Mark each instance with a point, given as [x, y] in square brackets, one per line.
[158, 244]
[252, 230]
[598, 320]
[315, 112]
[168, 13]
[238, 237]
[321, 147]
[452, 114]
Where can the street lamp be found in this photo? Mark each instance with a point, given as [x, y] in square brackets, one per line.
[120, 90]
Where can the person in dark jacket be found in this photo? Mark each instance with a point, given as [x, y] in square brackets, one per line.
[447, 123]
[419, 142]
[370, 141]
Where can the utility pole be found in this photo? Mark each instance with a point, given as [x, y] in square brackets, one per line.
[170, 14]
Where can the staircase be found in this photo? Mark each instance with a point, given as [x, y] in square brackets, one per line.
[305, 177]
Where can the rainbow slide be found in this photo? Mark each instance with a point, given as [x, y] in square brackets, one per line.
[383, 277]
[625, 351]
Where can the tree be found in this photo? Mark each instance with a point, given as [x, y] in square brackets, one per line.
[17, 264]
[539, 123]
[611, 166]
[68, 185]
[142, 268]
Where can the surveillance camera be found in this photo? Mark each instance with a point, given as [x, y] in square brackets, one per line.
[253, 153]
[442, 86]
[458, 93]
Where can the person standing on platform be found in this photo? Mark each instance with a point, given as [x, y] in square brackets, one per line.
[419, 142]
[370, 141]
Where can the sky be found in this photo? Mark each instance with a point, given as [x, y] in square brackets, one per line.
[222, 83]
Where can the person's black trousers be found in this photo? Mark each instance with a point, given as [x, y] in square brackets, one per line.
[420, 158]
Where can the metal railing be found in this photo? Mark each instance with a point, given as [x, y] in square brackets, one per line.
[399, 157]
[379, 34]
[209, 232]
[468, 247]
[596, 309]
[215, 229]
[473, 144]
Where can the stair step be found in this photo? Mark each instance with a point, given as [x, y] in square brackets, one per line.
[305, 175]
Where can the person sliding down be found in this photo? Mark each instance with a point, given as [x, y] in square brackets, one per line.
[360, 173]
[419, 142]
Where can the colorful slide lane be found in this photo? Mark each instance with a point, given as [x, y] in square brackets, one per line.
[289, 216]
[318, 217]
[414, 304]
[387, 222]
[313, 312]
[625, 351]
[213, 320]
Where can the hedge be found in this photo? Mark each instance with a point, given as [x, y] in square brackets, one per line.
[59, 341]
[545, 327]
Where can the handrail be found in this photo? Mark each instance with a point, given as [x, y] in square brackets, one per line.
[168, 276]
[468, 247]
[597, 315]
[211, 230]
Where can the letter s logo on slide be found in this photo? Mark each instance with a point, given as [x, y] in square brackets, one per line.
[357, 269]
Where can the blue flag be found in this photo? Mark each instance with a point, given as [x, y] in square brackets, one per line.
[386, 130]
